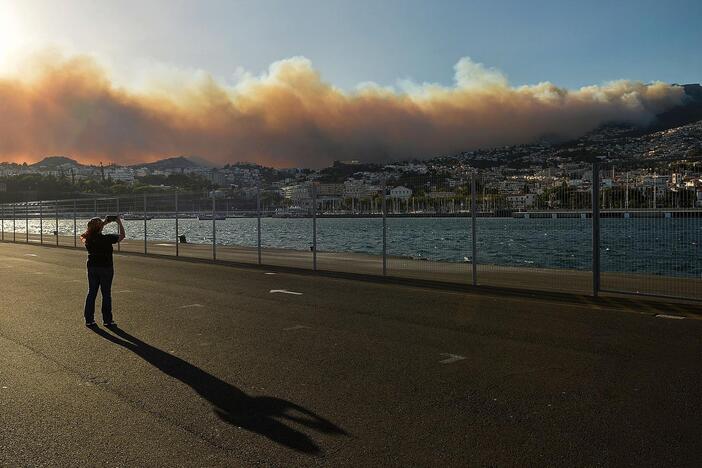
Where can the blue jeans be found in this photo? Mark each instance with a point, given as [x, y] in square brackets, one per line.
[99, 278]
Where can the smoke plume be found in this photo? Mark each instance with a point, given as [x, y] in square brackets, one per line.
[289, 116]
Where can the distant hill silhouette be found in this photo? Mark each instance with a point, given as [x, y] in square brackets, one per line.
[178, 162]
[56, 161]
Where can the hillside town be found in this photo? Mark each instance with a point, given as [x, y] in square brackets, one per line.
[638, 170]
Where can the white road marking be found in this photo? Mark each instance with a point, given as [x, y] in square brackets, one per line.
[124, 291]
[666, 316]
[189, 306]
[450, 358]
[285, 291]
[73, 281]
[31, 255]
[269, 273]
[296, 327]
[166, 245]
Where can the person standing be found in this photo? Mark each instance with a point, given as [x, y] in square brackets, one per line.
[100, 267]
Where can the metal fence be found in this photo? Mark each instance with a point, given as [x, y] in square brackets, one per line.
[611, 234]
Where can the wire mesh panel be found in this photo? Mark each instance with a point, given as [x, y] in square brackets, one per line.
[150, 225]
[286, 232]
[40, 220]
[429, 227]
[349, 227]
[15, 222]
[131, 210]
[350, 244]
[47, 222]
[8, 222]
[64, 227]
[160, 223]
[287, 241]
[652, 231]
[2, 221]
[85, 209]
[33, 222]
[536, 232]
[236, 225]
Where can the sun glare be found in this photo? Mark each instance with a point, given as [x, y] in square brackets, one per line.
[10, 31]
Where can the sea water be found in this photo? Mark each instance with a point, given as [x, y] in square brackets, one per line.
[665, 246]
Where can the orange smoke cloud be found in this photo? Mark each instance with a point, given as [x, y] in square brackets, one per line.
[290, 117]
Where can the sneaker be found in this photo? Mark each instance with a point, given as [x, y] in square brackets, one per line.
[110, 324]
[91, 324]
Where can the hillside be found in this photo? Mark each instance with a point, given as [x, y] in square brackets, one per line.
[178, 162]
[690, 111]
[52, 162]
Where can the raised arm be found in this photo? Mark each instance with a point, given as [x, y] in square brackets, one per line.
[122, 234]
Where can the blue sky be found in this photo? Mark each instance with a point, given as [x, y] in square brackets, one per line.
[570, 43]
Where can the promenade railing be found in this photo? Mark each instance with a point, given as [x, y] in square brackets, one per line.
[638, 237]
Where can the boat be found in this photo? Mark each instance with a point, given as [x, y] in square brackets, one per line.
[292, 212]
[209, 217]
[135, 217]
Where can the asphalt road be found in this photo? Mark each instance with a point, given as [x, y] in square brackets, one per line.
[210, 367]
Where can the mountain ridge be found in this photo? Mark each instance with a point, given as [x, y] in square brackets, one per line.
[175, 162]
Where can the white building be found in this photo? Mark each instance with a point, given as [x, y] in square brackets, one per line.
[657, 181]
[403, 193]
[520, 202]
[512, 184]
[297, 193]
[330, 190]
[121, 174]
[356, 189]
[218, 177]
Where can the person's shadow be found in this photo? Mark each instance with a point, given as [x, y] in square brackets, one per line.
[232, 405]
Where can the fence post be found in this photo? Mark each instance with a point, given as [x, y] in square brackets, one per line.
[95, 208]
[75, 230]
[145, 248]
[14, 230]
[119, 244]
[3, 222]
[385, 231]
[214, 229]
[258, 221]
[26, 221]
[474, 217]
[177, 239]
[41, 222]
[314, 226]
[595, 227]
[57, 225]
